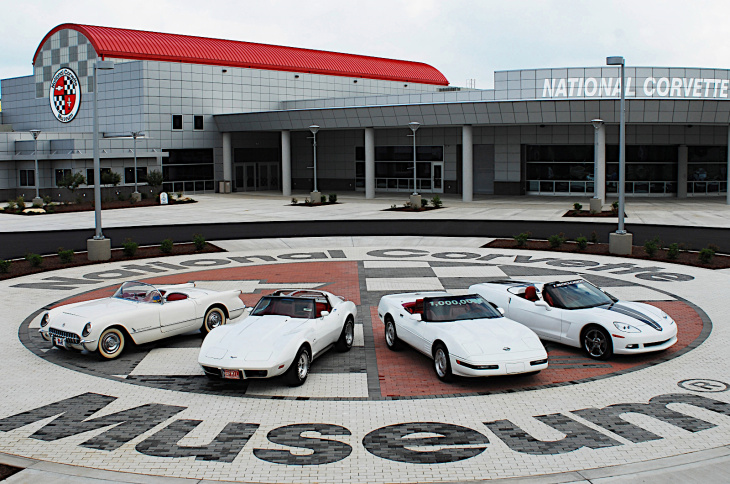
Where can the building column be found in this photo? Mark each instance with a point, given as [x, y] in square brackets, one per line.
[227, 161]
[286, 163]
[369, 162]
[599, 161]
[467, 163]
[682, 171]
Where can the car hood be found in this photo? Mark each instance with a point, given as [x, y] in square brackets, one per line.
[489, 336]
[255, 336]
[74, 316]
[643, 316]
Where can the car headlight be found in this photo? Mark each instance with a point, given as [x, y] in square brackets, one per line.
[667, 317]
[626, 328]
[44, 320]
[87, 330]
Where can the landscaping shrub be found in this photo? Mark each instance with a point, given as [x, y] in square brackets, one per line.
[521, 238]
[11, 206]
[706, 255]
[66, 256]
[333, 198]
[436, 201]
[614, 207]
[556, 240]
[47, 200]
[581, 242]
[577, 206]
[294, 201]
[323, 199]
[651, 246]
[20, 202]
[166, 246]
[424, 202]
[673, 251]
[199, 241]
[35, 260]
[307, 201]
[154, 180]
[4, 266]
[129, 247]
[594, 237]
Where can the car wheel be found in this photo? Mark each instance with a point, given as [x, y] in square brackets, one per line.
[391, 336]
[111, 343]
[214, 317]
[347, 337]
[299, 369]
[597, 343]
[442, 363]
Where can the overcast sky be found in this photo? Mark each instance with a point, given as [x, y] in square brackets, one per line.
[464, 39]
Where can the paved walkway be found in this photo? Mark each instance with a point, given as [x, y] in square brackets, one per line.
[268, 206]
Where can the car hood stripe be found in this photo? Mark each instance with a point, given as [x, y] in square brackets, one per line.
[633, 313]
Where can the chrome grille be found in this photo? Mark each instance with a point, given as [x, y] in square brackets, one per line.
[70, 337]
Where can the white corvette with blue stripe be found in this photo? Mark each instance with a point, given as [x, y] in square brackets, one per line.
[577, 313]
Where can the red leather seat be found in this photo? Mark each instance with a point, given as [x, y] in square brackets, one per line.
[531, 293]
[176, 296]
[321, 307]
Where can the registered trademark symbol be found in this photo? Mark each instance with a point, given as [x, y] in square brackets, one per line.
[703, 385]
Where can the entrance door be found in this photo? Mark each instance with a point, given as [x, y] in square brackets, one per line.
[437, 176]
[484, 169]
[249, 177]
[238, 181]
[268, 176]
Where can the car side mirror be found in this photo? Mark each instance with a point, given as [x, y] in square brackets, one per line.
[501, 311]
[542, 304]
[417, 316]
[324, 313]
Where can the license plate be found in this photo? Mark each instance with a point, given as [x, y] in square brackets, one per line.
[232, 374]
[59, 341]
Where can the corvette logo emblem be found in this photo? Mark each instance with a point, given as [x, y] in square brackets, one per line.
[65, 95]
[506, 348]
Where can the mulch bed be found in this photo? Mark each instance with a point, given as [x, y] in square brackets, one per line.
[588, 213]
[302, 204]
[7, 471]
[51, 262]
[88, 206]
[719, 261]
[409, 209]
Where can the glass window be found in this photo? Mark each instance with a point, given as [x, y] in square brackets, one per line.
[198, 122]
[141, 174]
[90, 174]
[61, 173]
[177, 121]
[27, 178]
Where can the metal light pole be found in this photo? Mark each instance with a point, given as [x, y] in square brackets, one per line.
[35, 133]
[314, 128]
[135, 135]
[619, 61]
[414, 125]
[98, 65]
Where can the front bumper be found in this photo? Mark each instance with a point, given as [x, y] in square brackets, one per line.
[633, 346]
[68, 341]
[247, 373]
[523, 364]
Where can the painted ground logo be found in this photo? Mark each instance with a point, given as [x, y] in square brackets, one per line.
[65, 95]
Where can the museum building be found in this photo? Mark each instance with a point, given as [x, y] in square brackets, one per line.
[222, 115]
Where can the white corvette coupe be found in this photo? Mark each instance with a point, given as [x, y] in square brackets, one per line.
[139, 312]
[464, 335]
[577, 313]
[283, 334]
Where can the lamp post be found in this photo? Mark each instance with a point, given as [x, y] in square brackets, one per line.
[36, 181]
[314, 196]
[97, 249]
[135, 135]
[414, 125]
[622, 244]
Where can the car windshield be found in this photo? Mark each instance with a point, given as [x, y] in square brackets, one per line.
[456, 308]
[139, 292]
[294, 307]
[576, 295]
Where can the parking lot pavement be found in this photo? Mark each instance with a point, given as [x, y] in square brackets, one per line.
[72, 416]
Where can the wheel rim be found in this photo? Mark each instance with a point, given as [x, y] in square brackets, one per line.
[390, 334]
[349, 333]
[303, 365]
[440, 362]
[596, 343]
[110, 343]
[214, 319]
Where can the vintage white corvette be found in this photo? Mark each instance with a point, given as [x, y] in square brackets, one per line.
[140, 312]
[463, 334]
[577, 313]
[283, 334]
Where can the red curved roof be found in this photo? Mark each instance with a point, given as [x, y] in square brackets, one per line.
[142, 45]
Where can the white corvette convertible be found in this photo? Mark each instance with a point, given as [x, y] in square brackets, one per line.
[464, 335]
[140, 312]
[283, 334]
[577, 313]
